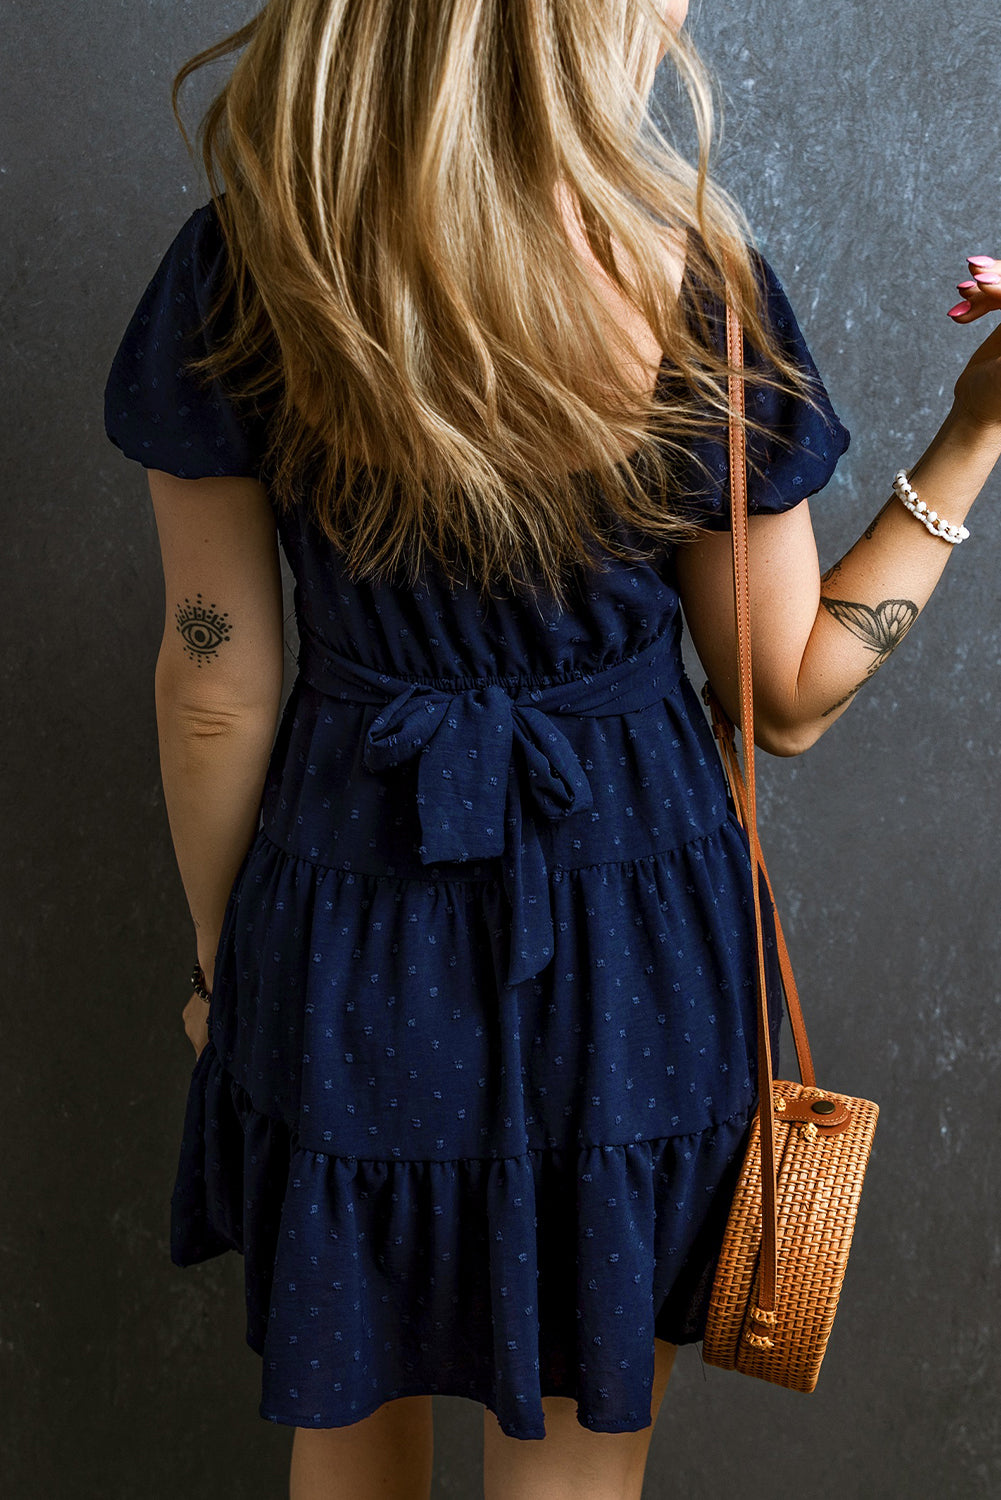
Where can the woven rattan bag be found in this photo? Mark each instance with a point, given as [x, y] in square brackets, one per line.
[786, 1243]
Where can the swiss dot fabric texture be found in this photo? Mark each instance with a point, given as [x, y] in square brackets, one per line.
[474, 1122]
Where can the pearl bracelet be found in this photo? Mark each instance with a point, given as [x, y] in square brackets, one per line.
[908, 496]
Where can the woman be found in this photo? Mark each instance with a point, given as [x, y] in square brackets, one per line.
[478, 1063]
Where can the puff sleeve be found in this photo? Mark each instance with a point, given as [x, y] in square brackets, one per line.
[154, 410]
[800, 450]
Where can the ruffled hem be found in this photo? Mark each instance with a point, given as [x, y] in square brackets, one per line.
[501, 1279]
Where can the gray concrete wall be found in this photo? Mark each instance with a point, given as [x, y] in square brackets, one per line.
[863, 142]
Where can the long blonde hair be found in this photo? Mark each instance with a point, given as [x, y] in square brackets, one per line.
[405, 298]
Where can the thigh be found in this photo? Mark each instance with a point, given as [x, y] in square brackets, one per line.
[386, 1456]
[571, 1462]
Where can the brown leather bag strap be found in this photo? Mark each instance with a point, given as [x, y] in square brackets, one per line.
[722, 723]
[723, 730]
[743, 791]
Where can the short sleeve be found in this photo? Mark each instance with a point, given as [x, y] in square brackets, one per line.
[797, 454]
[154, 410]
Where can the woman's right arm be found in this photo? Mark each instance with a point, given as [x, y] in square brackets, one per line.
[816, 640]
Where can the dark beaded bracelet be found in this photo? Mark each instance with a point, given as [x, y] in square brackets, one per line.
[198, 983]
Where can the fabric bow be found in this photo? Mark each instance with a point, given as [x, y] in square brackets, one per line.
[479, 749]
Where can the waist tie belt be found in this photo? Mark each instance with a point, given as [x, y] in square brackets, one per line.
[469, 807]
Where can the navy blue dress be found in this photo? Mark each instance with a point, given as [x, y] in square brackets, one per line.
[482, 1053]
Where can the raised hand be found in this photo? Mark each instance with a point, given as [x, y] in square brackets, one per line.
[978, 389]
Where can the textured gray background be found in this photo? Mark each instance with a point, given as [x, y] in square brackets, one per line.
[863, 142]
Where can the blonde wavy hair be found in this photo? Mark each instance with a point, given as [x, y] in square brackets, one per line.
[405, 298]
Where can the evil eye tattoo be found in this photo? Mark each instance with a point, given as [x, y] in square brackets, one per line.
[202, 629]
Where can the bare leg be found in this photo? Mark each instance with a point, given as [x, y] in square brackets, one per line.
[386, 1456]
[571, 1462]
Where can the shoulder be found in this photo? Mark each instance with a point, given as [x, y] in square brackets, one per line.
[796, 441]
[778, 309]
[182, 286]
[157, 410]
[190, 269]
[200, 238]
[775, 303]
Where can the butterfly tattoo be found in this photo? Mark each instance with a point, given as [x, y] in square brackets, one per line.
[881, 629]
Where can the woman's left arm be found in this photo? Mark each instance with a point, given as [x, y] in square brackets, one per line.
[816, 640]
[218, 680]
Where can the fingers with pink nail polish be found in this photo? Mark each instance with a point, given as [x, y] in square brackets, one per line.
[981, 292]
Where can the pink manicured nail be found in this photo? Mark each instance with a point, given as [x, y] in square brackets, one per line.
[966, 286]
[959, 309]
[979, 260]
[985, 278]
